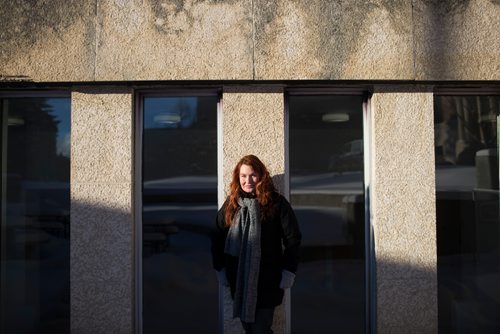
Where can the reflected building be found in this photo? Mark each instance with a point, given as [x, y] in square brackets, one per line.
[179, 201]
[467, 208]
[35, 242]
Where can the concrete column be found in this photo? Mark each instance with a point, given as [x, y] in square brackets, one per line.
[403, 208]
[102, 233]
[253, 123]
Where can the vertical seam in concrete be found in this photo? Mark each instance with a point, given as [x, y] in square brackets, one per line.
[253, 41]
[413, 41]
[96, 36]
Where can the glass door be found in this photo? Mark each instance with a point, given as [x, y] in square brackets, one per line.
[35, 212]
[467, 212]
[179, 200]
[327, 193]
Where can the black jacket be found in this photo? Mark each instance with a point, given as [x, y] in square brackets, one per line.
[280, 242]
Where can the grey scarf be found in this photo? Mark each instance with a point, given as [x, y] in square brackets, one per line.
[243, 241]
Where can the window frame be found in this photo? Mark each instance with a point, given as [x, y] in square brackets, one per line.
[138, 121]
[370, 261]
[457, 92]
[38, 93]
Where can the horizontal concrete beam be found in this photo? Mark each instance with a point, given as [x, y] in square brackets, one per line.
[99, 40]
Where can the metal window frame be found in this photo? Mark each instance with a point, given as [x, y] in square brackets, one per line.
[466, 91]
[370, 270]
[456, 92]
[138, 115]
[16, 94]
[34, 93]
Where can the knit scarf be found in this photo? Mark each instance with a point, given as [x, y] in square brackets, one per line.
[243, 241]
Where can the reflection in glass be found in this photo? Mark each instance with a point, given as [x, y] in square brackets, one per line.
[34, 235]
[327, 194]
[467, 205]
[179, 207]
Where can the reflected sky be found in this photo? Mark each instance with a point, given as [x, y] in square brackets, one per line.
[60, 109]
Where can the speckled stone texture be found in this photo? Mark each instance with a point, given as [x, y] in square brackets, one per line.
[115, 40]
[170, 39]
[103, 40]
[403, 208]
[102, 232]
[457, 39]
[253, 123]
[47, 40]
[347, 39]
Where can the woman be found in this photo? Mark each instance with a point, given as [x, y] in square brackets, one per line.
[255, 245]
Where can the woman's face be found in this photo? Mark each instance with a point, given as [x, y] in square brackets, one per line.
[248, 178]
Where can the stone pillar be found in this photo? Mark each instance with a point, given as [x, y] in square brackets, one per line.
[102, 232]
[403, 209]
[253, 121]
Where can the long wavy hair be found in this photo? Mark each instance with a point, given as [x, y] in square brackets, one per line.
[263, 189]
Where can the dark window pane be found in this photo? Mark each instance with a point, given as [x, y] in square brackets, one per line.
[34, 244]
[467, 208]
[179, 208]
[327, 193]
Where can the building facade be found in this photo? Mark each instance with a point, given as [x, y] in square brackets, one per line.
[122, 121]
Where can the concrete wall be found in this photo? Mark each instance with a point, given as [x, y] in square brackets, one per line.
[457, 39]
[253, 123]
[108, 40]
[403, 209]
[119, 40]
[102, 270]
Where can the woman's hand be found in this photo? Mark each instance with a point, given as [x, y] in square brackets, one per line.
[287, 279]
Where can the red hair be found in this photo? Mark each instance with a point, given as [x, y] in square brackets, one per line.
[263, 190]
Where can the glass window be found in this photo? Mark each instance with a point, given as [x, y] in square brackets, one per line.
[34, 235]
[180, 290]
[467, 208]
[327, 194]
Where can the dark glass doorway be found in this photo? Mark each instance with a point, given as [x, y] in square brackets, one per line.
[466, 132]
[35, 215]
[327, 193]
[180, 290]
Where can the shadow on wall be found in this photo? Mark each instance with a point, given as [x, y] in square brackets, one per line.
[328, 292]
[406, 296]
[463, 294]
[316, 29]
[102, 273]
[177, 276]
[26, 24]
[438, 30]
[279, 183]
